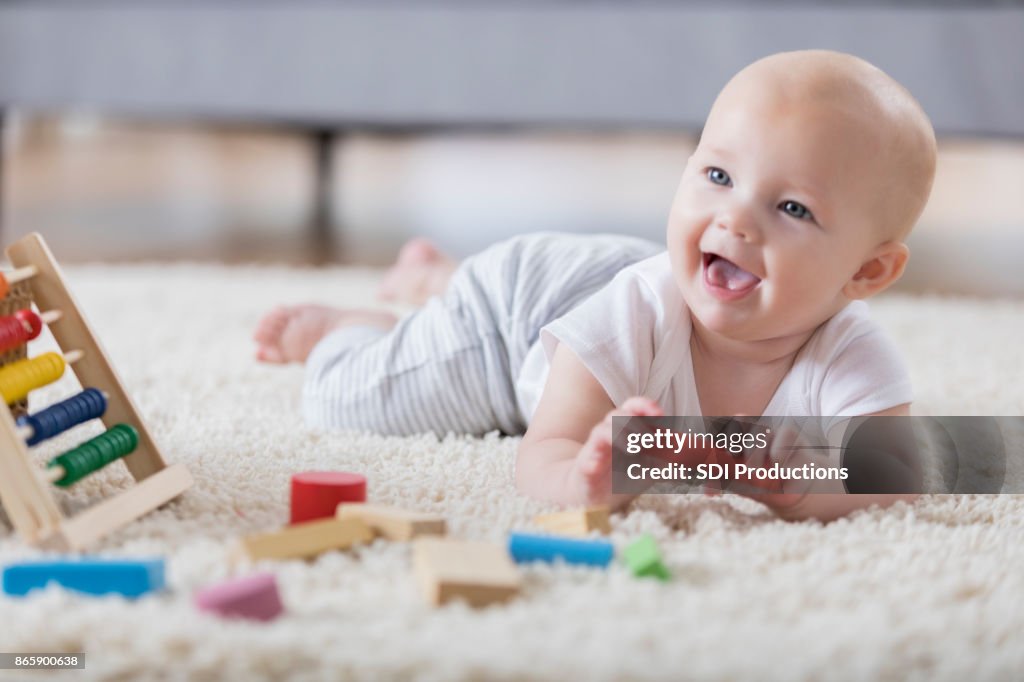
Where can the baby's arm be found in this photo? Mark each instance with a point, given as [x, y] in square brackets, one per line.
[828, 507]
[565, 455]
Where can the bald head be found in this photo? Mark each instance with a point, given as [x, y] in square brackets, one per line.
[866, 104]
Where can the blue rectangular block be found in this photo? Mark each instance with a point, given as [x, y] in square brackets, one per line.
[525, 547]
[130, 578]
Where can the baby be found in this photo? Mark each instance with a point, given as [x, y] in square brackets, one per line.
[811, 170]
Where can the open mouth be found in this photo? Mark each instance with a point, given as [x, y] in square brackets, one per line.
[726, 279]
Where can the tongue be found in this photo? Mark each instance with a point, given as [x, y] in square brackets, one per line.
[724, 273]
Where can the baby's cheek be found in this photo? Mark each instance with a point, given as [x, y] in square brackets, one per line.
[681, 241]
[688, 205]
[797, 280]
[679, 225]
[811, 265]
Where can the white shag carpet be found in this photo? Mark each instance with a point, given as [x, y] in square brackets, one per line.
[930, 591]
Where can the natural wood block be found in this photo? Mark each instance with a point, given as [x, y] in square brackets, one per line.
[480, 573]
[579, 522]
[392, 522]
[305, 540]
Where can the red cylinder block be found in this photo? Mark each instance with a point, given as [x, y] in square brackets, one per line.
[317, 494]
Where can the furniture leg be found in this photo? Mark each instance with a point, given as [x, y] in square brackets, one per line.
[322, 220]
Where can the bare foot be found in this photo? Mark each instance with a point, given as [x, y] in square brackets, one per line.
[420, 272]
[288, 333]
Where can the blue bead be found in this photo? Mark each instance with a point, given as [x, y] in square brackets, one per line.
[59, 417]
[525, 547]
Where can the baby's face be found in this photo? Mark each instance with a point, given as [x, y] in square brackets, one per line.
[773, 215]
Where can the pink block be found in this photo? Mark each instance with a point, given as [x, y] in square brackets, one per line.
[254, 596]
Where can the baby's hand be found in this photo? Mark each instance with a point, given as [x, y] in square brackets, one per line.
[784, 497]
[590, 478]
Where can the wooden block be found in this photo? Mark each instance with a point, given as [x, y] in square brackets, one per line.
[305, 540]
[480, 573]
[394, 523]
[579, 522]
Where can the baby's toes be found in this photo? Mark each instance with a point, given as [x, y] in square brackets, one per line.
[417, 251]
[269, 329]
[303, 331]
[387, 290]
[271, 354]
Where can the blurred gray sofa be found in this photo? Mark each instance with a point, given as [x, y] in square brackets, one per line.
[324, 63]
[329, 66]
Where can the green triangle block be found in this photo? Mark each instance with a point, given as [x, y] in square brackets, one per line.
[657, 570]
[644, 559]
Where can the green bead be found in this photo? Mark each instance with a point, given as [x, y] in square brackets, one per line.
[644, 559]
[96, 453]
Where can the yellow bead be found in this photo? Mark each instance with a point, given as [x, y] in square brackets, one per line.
[19, 378]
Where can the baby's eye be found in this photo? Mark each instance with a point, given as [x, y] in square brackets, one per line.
[796, 209]
[719, 176]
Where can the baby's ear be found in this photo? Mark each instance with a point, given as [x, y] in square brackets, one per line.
[884, 266]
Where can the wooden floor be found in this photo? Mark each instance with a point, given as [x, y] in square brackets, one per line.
[109, 190]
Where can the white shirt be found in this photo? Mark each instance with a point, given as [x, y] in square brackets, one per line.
[634, 337]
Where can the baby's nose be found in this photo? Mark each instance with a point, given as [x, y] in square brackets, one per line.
[741, 223]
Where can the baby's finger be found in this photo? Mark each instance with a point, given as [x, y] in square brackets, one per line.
[777, 502]
[753, 486]
[640, 406]
[634, 417]
[600, 434]
[637, 406]
[595, 457]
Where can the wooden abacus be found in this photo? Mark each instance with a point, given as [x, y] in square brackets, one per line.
[24, 486]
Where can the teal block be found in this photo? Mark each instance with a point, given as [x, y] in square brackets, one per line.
[525, 547]
[127, 577]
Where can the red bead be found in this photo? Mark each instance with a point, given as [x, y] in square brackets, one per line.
[12, 333]
[31, 321]
[317, 494]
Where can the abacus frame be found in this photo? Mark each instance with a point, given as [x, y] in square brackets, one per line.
[24, 493]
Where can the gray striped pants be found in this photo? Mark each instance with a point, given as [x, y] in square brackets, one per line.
[451, 366]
